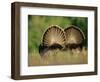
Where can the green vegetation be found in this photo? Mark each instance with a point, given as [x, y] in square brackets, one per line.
[38, 24]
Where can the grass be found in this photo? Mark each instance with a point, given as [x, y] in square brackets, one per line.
[57, 57]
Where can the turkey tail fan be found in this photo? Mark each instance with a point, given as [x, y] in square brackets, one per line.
[74, 37]
[53, 38]
[54, 35]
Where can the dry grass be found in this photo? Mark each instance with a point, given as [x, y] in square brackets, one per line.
[57, 57]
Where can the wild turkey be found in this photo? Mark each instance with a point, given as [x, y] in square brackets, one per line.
[53, 38]
[74, 37]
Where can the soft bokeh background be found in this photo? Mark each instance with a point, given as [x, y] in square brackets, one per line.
[38, 24]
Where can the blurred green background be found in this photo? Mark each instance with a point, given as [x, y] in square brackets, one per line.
[38, 24]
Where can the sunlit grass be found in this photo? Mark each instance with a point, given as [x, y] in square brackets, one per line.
[57, 57]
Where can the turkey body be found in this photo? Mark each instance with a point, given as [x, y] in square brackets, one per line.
[74, 37]
[53, 38]
[56, 38]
